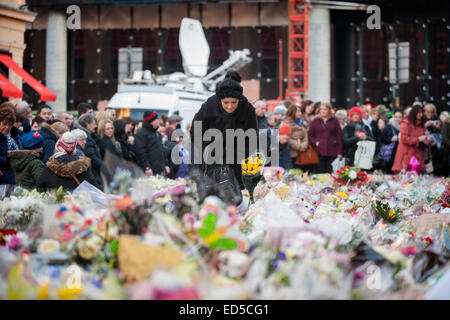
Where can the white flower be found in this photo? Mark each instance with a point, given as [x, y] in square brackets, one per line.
[352, 175]
[48, 245]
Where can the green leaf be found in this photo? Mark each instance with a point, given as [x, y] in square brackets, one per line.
[114, 246]
[225, 244]
[209, 222]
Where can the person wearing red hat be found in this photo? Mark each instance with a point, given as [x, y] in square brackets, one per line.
[355, 131]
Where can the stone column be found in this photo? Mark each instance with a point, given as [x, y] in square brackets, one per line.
[319, 54]
[56, 59]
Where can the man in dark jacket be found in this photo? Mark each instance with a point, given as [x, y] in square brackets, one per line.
[91, 150]
[50, 137]
[260, 110]
[148, 146]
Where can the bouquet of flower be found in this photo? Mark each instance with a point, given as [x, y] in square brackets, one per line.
[350, 175]
[252, 172]
[384, 211]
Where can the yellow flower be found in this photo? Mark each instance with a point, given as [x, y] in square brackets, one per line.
[343, 195]
[42, 292]
[65, 293]
[391, 214]
[213, 237]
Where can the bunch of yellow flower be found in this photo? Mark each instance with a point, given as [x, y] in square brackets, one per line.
[251, 165]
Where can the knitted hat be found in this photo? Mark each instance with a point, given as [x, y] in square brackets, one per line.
[66, 144]
[355, 109]
[285, 130]
[149, 116]
[175, 118]
[229, 89]
[280, 109]
[32, 140]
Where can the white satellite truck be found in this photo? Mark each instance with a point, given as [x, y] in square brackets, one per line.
[181, 93]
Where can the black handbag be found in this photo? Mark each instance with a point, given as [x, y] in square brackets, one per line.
[220, 181]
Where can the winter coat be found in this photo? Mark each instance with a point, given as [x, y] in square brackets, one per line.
[59, 171]
[446, 135]
[408, 146]
[7, 172]
[285, 159]
[212, 116]
[149, 151]
[127, 150]
[92, 151]
[27, 170]
[262, 122]
[50, 138]
[298, 141]
[107, 144]
[351, 139]
[330, 143]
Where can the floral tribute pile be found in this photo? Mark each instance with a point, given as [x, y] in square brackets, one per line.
[349, 235]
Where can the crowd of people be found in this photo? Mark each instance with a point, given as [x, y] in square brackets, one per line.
[51, 150]
[317, 129]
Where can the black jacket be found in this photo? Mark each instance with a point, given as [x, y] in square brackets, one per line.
[212, 116]
[92, 151]
[351, 139]
[7, 176]
[148, 149]
[107, 144]
[262, 122]
[50, 139]
[58, 172]
[127, 150]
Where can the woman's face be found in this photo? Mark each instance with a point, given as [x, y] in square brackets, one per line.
[324, 112]
[298, 114]
[355, 117]
[82, 142]
[129, 128]
[419, 115]
[375, 116]
[309, 109]
[229, 104]
[92, 126]
[381, 124]
[429, 114]
[5, 126]
[109, 130]
[398, 117]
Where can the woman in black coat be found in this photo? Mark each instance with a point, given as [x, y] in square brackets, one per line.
[227, 109]
[122, 137]
[355, 131]
[107, 139]
[390, 134]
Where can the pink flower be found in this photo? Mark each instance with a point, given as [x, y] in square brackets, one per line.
[14, 242]
[408, 251]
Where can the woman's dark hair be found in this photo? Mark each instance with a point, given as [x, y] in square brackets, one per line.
[413, 114]
[291, 111]
[7, 112]
[37, 120]
[43, 106]
[85, 119]
[129, 120]
[305, 104]
[119, 129]
[233, 75]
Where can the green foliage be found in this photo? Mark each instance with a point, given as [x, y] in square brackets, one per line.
[384, 211]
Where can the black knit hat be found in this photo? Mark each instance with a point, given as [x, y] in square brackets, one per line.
[149, 116]
[229, 89]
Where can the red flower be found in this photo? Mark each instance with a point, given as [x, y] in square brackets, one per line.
[428, 239]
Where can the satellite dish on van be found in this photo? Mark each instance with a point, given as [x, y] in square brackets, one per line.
[194, 48]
